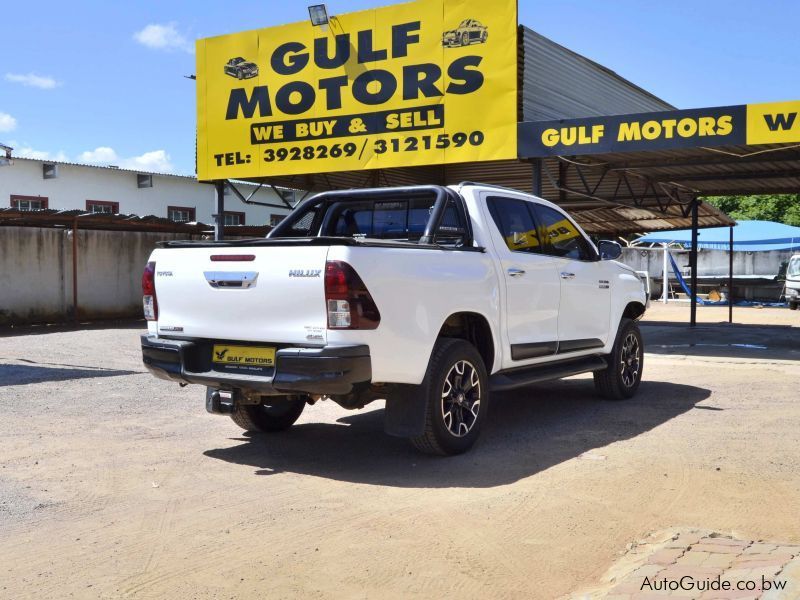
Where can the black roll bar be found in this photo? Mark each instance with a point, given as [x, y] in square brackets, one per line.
[441, 193]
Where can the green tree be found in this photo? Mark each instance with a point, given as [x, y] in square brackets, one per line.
[782, 208]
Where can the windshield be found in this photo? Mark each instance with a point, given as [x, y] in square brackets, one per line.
[793, 270]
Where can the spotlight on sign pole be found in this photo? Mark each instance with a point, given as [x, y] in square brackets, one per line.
[318, 14]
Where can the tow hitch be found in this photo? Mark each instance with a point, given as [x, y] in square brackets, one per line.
[220, 402]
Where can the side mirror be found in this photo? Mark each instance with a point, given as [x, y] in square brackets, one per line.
[609, 250]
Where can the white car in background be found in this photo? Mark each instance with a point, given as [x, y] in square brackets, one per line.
[793, 282]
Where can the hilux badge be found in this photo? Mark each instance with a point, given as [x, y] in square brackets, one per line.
[305, 273]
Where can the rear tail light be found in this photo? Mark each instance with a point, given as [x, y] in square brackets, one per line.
[149, 301]
[349, 303]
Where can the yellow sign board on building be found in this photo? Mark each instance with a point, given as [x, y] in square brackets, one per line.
[773, 123]
[422, 83]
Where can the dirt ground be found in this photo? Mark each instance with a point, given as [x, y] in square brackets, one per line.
[115, 484]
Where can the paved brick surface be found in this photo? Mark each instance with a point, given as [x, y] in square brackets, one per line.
[701, 565]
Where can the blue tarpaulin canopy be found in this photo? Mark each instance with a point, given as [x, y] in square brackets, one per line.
[752, 236]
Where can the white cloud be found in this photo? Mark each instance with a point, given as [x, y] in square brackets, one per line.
[32, 80]
[101, 155]
[163, 37]
[7, 122]
[28, 152]
[157, 161]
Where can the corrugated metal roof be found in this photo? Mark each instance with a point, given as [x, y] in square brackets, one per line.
[557, 83]
[740, 170]
[106, 167]
[596, 217]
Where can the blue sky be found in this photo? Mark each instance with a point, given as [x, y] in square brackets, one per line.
[102, 82]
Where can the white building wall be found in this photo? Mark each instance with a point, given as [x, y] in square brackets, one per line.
[76, 184]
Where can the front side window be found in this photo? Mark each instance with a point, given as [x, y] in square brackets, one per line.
[515, 222]
[561, 236]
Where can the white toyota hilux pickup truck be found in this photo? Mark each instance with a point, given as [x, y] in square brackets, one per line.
[428, 297]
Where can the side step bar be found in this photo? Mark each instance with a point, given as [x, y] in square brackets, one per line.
[517, 378]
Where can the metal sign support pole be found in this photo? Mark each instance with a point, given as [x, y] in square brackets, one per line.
[693, 263]
[219, 216]
[730, 277]
[536, 176]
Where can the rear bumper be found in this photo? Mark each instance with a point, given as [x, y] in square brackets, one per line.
[331, 370]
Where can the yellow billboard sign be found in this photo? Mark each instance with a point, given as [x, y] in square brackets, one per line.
[422, 83]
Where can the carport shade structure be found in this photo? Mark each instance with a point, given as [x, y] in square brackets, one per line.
[669, 158]
[748, 236]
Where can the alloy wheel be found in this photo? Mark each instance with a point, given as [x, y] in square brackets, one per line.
[630, 360]
[461, 398]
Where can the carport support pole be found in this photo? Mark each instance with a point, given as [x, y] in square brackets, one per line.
[219, 216]
[693, 265]
[730, 276]
[536, 175]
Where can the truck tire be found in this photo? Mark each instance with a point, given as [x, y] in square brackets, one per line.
[621, 378]
[275, 413]
[792, 305]
[456, 388]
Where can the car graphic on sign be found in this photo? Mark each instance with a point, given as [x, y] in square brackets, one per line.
[469, 31]
[241, 69]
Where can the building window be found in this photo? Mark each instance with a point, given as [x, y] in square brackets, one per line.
[234, 218]
[180, 214]
[28, 202]
[49, 171]
[275, 219]
[101, 206]
[144, 181]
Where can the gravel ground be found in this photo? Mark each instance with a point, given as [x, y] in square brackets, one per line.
[115, 484]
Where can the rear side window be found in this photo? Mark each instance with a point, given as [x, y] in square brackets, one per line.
[515, 222]
[561, 236]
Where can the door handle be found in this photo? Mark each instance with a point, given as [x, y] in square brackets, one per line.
[565, 275]
[516, 272]
[241, 280]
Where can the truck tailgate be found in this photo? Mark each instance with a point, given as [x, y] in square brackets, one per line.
[268, 294]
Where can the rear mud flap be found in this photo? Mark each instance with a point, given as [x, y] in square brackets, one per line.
[406, 411]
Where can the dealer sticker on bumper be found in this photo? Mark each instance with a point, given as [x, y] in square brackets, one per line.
[243, 356]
